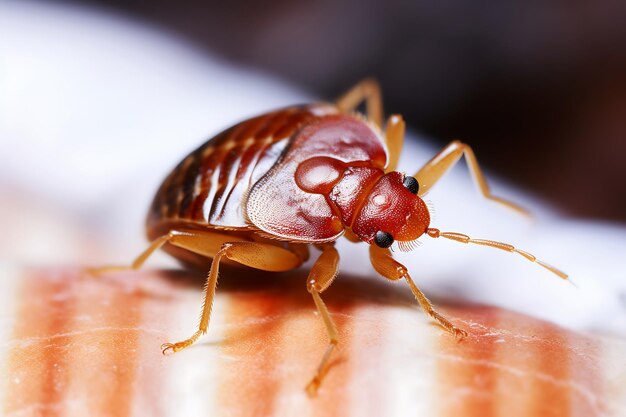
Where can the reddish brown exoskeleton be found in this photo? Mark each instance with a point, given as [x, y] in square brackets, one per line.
[260, 193]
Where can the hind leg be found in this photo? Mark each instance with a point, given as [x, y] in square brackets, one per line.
[206, 242]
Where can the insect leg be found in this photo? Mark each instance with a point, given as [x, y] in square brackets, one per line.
[257, 255]
[384, 264]
[367, 90]
[211, 244]
[394, 134]
[434, 169]
[321, 276]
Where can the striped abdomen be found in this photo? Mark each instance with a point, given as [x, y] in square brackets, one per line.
[210, 185]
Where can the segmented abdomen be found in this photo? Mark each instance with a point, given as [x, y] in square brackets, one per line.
[210, 185]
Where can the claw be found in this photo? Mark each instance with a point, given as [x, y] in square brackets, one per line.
[312, 387]
[175, 347]
[93, 272]
[165, 347]
[460, 334]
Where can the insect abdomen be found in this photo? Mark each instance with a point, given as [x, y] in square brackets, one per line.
[210, 185]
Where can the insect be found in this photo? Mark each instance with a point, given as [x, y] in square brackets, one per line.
[262, 192]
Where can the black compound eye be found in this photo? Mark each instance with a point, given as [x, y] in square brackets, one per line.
[383, 239]
[411, 184]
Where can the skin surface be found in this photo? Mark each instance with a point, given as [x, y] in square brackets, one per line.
[75, 346]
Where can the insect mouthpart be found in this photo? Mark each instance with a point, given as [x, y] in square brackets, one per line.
[408, 246]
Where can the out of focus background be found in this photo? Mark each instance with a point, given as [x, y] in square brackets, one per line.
[99, 100]
[537, 87]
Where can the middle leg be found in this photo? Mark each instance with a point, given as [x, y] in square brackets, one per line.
[368, 91]
[394, 137]
[321, 276]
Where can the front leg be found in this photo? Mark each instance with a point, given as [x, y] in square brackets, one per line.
[385, 265]
[441, 163]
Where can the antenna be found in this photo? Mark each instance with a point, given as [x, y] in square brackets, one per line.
[458, 237]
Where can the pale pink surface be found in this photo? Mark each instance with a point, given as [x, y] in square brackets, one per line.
[79, 345]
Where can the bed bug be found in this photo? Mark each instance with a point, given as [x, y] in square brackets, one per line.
[262, 192]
